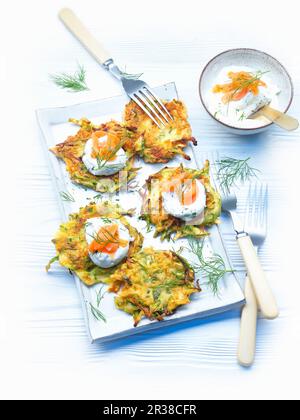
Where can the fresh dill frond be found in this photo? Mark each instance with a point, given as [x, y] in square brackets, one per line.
[96, 312]
[231, 171]
[212, 267]
[72, 82]
[66, 196]
[246, 83]
[98, 315]
[100, 296]
[101, 163]
[108, 238]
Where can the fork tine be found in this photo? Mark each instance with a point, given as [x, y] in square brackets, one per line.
[153, 103]
[139, 103]
[264, 212]
[248, 207]
[256, 212]
[148, 104]
[259, 204]
[159, 101]
[254, 205]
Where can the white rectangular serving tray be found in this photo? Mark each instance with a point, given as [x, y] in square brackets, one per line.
[55, 129]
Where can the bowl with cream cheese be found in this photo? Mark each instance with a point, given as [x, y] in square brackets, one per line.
[235, 84]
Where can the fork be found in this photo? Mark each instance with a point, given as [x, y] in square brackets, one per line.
[256, 226]
[263, 292]
[259, 280]
[137, 90]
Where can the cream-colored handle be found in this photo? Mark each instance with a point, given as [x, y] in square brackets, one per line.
[84, 36]
[263, 292]
[283, 120]
[247, 343]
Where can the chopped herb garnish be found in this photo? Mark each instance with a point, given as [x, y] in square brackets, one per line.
[106, 220]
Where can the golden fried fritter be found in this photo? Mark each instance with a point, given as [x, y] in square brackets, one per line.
[72, 248]
[154, 144]
[72, 150]
[153, 284]
[166, 224]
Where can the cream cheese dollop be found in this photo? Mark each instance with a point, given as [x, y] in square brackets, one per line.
[173, 206]
[107, 168]
[102, 259]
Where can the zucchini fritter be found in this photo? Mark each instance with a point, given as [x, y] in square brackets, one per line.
[166, 225]
[154, 144]
[72, 248]
[153, 284]
[72, 150]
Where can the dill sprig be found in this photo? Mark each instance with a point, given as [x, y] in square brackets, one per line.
[100, 296]
[112, 152]
[66, 196]
[98, 315]
[212, 267]
[246, 83]
[230, 171]
[72, 82]
[108, 238]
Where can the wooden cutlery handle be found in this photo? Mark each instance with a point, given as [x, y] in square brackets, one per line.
[258, 278]
[77, 28]
[247, 343]
[283, 120]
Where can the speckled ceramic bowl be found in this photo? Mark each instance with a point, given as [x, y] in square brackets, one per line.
[249, 58]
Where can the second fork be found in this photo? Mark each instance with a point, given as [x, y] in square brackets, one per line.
[256, 226]
[259, 281]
